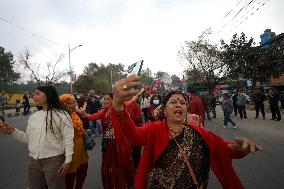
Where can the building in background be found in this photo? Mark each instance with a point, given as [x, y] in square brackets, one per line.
[269, 40]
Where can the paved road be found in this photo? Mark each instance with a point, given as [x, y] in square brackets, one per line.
[262, 171]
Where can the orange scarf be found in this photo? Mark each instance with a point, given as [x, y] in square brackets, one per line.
[78, 123]
[76, 120]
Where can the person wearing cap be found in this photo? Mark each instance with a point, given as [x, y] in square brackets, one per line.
[49, 136]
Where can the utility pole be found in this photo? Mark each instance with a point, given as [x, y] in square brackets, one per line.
[70, 68]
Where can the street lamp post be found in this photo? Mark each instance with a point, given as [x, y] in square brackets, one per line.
[70, 68]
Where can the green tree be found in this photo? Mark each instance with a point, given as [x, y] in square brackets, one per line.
[99, 77]
[194, 76]
[203, 59]
[175, 82]
[243, 58]
[146, 77]
[165, 81]
[7, 73]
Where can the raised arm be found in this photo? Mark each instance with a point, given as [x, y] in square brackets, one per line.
[135, 97]
[95, 116]
[121, 117]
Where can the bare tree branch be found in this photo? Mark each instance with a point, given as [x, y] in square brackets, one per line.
[25, 60]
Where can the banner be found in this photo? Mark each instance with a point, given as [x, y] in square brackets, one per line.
[156, 85]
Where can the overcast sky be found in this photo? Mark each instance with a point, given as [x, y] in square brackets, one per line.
[125, 31]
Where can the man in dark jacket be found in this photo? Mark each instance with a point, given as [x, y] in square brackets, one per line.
[235, 99]
[93, 106]
[206, 104]
[26, 103]
[81, 103]
[273, 102]
[258, 97]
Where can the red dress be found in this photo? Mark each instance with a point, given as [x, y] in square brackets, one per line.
[196, 107]
[117, 165]
[135, 114]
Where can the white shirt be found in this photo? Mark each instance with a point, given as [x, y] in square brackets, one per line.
[42, 144]
[144, 103]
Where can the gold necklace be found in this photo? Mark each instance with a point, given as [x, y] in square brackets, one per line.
[175, 132]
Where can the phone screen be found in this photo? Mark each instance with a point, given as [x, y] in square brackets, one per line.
[135, 69]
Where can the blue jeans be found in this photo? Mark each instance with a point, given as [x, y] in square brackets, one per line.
[92, 126]
[227, 119]
[95, 126]
[99, 127]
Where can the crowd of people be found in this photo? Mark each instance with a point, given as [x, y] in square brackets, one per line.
[178, 151]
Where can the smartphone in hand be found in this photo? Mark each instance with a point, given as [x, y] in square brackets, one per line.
[135, 69]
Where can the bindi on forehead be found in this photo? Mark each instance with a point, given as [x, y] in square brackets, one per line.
[177, 97]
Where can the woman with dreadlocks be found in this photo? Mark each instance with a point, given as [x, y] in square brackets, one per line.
[49, 136]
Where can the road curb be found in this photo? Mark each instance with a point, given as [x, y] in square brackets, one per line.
[15, 114]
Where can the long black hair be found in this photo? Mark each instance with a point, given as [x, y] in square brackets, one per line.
[53, 106]
[53, 101]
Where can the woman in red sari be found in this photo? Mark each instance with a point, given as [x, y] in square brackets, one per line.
[176, 154]
[117, 165]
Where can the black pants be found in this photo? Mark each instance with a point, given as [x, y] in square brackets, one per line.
[261, 107]
[145, 113]
[235, 109]
[242, 111]
[275, 111]
[207, 112]
[26, 109]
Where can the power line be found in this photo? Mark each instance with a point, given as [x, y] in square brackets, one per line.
[250, 13]
[30, 32]
[240, 10]
[228, 13]
[256, 5]
[232, 9]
